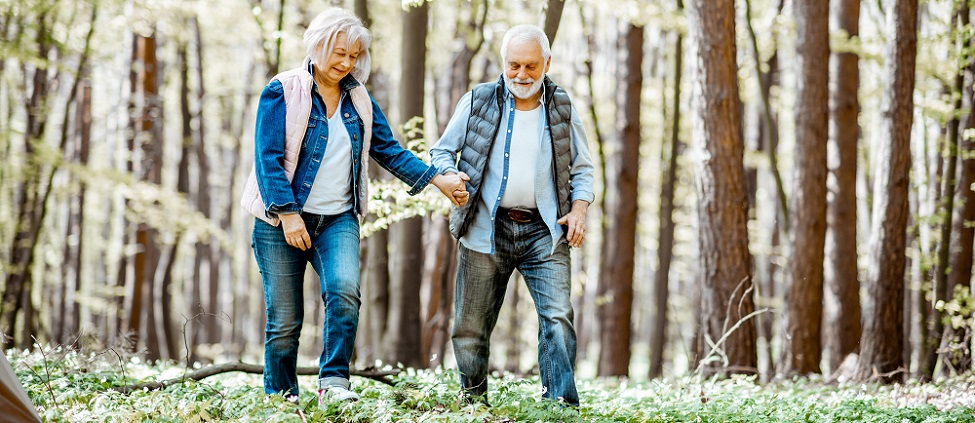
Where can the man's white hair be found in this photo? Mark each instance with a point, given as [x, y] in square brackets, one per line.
[320, 38]
[526, 33]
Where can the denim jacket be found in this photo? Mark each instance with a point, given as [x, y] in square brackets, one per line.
[283, 196]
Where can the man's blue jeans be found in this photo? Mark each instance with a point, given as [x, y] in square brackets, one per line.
[335, 257]
[481, 283]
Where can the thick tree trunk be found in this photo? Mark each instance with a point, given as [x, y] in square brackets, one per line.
[804, 297]
[665, 248]
[841, 331]
[882, 342]
[403, 327]
[725, 269]
[619, 241]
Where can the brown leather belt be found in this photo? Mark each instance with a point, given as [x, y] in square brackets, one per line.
[518, 214]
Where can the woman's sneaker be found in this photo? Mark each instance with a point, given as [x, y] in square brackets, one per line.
[336, 393]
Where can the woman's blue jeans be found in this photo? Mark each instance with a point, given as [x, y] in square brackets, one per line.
[335, 257]
[481, 283]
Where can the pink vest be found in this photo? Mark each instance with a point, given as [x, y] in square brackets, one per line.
[297, 84]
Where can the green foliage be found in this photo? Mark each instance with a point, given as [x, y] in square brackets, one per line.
[72, 386]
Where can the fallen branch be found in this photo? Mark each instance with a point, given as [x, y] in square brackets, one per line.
[377, 375]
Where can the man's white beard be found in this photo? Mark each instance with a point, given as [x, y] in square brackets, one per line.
[520, 91]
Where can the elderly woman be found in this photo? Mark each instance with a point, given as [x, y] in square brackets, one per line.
[308, 190]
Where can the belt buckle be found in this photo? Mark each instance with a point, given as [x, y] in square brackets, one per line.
[520, 215]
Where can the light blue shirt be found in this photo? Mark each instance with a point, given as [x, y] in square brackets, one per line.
[480, 236]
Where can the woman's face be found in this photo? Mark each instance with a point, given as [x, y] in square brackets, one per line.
[341, 60]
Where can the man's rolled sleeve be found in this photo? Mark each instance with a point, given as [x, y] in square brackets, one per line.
[443, 154]
[582, 168]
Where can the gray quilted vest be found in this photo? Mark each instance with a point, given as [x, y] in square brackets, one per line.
[487, 103]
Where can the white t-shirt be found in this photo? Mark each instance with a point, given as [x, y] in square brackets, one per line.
[331, 193]
[519, 190]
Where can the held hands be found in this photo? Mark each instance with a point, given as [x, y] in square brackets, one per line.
[294, 231]
[453, 186]
[575, 220]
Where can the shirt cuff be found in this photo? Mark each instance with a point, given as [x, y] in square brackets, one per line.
[424, 180]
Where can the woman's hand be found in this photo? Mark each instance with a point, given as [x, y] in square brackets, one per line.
[294, 231]
[453, 186]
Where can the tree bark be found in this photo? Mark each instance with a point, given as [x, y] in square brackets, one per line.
[842, 295]
[725, 268]
[403, 327]
[882, 342]
[804, 297]
[930, 345]
[33, 201]
[553, 16]
[665, 248]
[963, 233]
[147, 259]
[619, 242]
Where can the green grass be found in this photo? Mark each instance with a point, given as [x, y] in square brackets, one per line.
[78, 391]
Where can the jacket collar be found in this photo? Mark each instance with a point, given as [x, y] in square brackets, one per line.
[346, 84]
[548, 90]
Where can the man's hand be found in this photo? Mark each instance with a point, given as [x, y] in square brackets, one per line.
[575, 220]
[453, 186]
[294, 231]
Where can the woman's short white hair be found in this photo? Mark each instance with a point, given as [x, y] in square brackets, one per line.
[320, 38]
[526, 32]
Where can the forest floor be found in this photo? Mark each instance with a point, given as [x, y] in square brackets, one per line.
[74, 387]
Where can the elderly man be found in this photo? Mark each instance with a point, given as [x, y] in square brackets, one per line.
[525, 149]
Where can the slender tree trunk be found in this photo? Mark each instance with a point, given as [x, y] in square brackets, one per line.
[964, 231]
[769, 125]
[19, 281]
[512, 339]
[930, 345]
[206, 263]
[585, 315]
[842, 295]
[619, 242]
[83, 135]
[725, 268]
[882, 341]
[804, 297]
[403, 327]
[147, 259]
[665, 249]
[767, 143]
[553, 16]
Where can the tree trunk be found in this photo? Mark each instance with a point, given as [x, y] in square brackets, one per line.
[553, 16]
[804, 297]
[619, 241]
[963, 233]
[665, 248]
[882, 341]
[147, 259]
[83, 135]
[725, 269]
[17, 290]
[842, 295]
[403, 328]
[769, 125]
[930, 345]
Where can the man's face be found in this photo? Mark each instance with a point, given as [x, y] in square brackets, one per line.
[524, 68]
